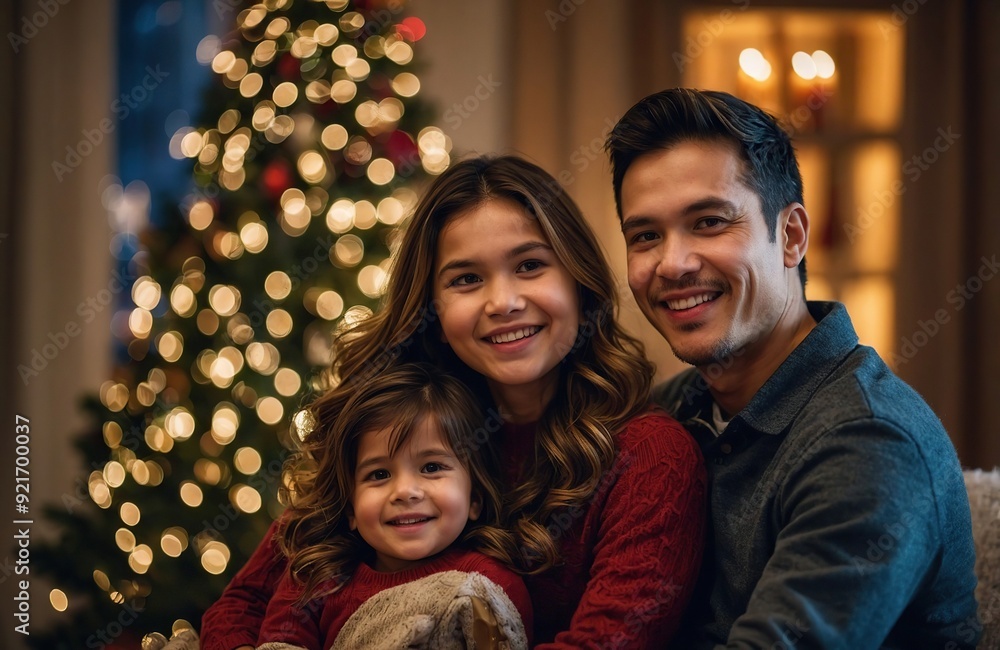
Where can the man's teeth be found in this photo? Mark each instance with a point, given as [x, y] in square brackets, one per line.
[516, 335]
[688, 303]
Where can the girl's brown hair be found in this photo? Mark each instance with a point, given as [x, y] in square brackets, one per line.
[317, 538]
[605, 378]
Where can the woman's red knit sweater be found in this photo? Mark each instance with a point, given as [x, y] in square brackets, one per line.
[630, 554]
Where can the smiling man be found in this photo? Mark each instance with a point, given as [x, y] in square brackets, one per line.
[838, 510]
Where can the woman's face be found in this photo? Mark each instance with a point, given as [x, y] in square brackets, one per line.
[507, 306]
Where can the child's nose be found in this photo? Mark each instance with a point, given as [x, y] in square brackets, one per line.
[407, 488]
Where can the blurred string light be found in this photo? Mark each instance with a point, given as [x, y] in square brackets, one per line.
[810, 66]
[818, 65]
[331, 100]
[754, 65]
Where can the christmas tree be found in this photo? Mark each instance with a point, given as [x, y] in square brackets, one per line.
[307, 159]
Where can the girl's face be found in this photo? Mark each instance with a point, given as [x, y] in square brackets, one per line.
[507, 306]
[411, 505]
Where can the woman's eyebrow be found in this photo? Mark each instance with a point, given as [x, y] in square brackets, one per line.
[512, 253]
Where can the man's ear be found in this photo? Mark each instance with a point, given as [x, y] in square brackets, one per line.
[793, 233]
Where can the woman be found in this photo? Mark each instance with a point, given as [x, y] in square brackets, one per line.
[499, 280]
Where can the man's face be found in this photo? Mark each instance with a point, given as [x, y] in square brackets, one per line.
[700, 261]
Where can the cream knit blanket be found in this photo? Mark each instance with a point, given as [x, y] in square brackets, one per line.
[451, 610]
[444, 611]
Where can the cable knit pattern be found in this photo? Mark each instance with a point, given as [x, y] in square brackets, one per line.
[234, 620]
[630, 556]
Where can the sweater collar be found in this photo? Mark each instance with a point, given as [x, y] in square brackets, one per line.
[789, 389]
[368, 578]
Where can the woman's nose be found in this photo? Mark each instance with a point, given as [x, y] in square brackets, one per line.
[504, 297]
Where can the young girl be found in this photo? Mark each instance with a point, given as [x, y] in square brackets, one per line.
[501, 281]
[397, 488]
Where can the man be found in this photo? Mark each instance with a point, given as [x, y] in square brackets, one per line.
[838, 510]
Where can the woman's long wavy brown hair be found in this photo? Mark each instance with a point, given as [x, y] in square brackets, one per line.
[317, 537]
[604, 379]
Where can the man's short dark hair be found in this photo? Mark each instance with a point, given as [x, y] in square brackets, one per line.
[670, 117]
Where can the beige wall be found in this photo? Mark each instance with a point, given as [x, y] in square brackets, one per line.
[58, 248]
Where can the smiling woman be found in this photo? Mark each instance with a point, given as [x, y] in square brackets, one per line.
[499, 281]
[507, 306]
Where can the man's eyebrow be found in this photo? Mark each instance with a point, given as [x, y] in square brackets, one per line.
[514, 252]
[631, 223]
[710, 203]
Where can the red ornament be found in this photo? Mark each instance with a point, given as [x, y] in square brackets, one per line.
[412, 29]
[276, 178]
[288, 68]
[401, 149]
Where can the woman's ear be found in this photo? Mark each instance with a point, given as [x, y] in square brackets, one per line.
[475, 507]
[351, 522]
